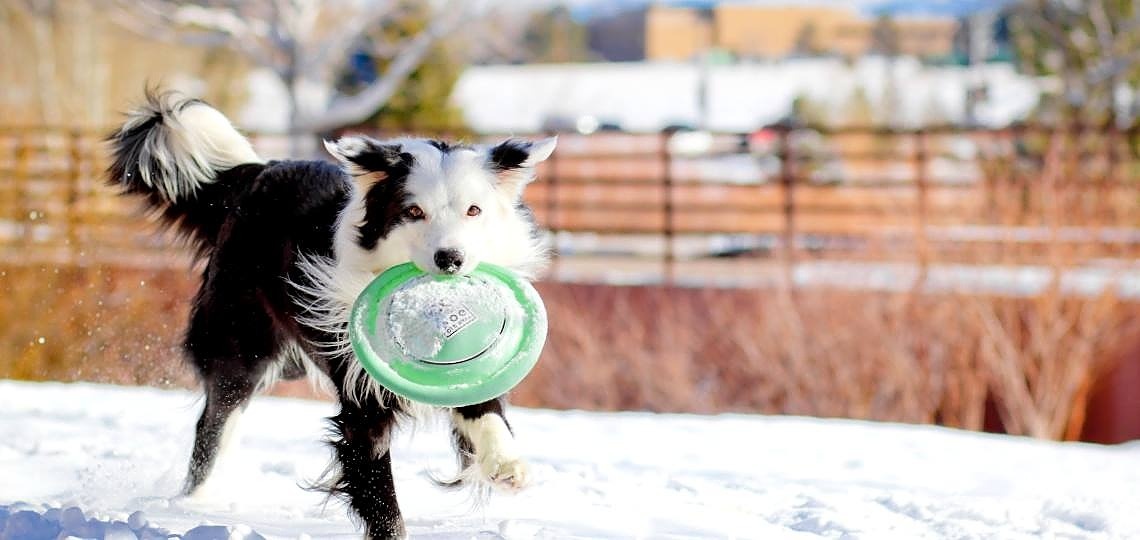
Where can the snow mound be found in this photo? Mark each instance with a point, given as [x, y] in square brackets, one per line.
[23, 521]
[93, 461]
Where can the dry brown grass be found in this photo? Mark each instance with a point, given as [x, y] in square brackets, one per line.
[884, 356]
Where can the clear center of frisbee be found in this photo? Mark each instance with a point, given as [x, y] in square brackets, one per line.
[447, 320]
[449, 341]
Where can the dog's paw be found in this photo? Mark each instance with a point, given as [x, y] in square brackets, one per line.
[510, 474]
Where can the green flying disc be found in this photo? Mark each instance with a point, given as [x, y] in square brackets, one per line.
[448, 340]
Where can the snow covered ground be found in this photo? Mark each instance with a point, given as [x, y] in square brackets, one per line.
[90, 456]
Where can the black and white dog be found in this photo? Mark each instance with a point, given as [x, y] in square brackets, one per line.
[288, 246]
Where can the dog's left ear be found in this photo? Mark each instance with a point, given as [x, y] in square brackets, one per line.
[368, 160]
[513, 161]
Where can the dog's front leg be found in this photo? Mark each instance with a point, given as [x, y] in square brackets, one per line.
[482, 433]
[365, 480]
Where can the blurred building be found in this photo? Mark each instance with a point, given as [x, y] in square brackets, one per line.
[677, 33]
[772, 31]
[765, 31]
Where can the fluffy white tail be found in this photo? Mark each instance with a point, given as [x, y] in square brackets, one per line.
[171, 146]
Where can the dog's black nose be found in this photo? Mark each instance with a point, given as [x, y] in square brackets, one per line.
[449, 260]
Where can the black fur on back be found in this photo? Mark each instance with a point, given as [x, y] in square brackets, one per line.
[198, 220]
[246, 308]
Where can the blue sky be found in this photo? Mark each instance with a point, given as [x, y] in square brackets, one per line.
[588, 8]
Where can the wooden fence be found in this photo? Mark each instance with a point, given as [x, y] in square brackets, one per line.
[781, 194]
[56, 208]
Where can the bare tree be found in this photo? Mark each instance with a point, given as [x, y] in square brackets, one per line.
[1091, 46]
[41, 11]
[306, 44]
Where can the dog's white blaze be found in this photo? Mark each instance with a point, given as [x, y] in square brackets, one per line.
[445, 187]
[191, 146]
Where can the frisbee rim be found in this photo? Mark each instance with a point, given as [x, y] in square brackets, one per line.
[447, 387]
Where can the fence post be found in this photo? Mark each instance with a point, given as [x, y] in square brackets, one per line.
[552, 209]
[922, 245]
[74, 179]
[787, 181]
[667, 206]
[22, 213]
[1017, 181]
[1109, 181]
[998, 140]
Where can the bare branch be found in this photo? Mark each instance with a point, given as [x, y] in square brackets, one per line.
[363, 104]
[1103, 27]
[1127, 28]
[1110, 68]
[179, 22]
[500, 40]
[305, 43]
[38, 8]
[160, 31]
[352, 29]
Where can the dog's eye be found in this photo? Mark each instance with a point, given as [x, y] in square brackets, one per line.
[474, 211]
[414, 212]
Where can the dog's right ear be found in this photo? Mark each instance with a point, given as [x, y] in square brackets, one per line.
[514, 162]
[368, 160]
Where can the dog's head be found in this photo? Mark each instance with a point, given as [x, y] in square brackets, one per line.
[444, 207]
